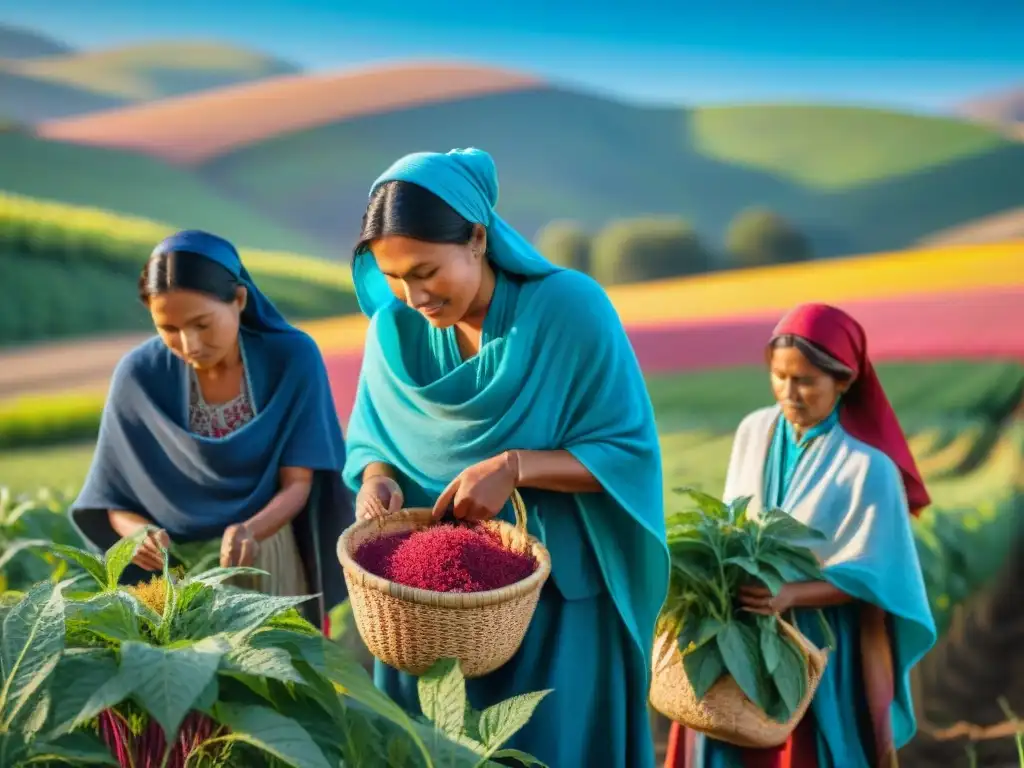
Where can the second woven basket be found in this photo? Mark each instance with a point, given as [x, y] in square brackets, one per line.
[410, 629]
[725, 713]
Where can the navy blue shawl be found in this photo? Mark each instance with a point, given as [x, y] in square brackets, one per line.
[147, 461]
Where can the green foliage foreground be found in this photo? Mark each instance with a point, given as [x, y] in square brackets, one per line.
[186, 670]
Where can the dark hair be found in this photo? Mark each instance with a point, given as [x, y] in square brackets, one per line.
[188, 271]
[407, 209]
[815, 355]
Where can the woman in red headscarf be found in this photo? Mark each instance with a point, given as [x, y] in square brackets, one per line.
[832, 454]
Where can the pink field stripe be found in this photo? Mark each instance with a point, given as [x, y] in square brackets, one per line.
[973, 325]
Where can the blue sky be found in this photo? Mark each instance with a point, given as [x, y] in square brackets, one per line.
[905, 53]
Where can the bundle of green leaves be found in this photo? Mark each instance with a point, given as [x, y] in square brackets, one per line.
[716, 549]
[190, 671]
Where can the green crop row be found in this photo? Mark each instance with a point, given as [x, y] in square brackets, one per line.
[49, 419]
[73, 271]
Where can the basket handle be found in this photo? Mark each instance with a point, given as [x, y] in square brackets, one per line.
[520, 509]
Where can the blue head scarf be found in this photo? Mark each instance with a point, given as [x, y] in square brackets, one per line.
[149, 462]
[467, 180]
[555, 371]
[259, 314]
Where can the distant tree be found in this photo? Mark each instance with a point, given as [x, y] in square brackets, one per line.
[648, 248]
[758, 237]
[565, 243]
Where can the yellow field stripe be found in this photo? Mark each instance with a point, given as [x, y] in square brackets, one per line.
[776, 289]
[879, 276]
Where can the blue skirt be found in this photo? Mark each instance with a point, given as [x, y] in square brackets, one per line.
[596, 715]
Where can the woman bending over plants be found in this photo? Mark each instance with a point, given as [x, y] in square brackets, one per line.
[221, 429]
[489, 370]
[832, 455]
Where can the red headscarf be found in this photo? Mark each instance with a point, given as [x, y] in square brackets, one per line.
[865, 412]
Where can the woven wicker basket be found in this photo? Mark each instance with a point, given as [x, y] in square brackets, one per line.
[410, 629]
[725, 713]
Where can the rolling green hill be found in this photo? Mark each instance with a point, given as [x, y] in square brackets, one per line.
[834, 148]
[854, 180]
[862, 179]
[136, 185]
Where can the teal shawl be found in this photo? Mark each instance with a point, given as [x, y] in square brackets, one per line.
[854, 494]
[555, 370]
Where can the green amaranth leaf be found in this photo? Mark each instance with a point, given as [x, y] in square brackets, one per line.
[501, 721]
[782, 525]
[742, 656]
[240, 612]
[272, 733]
[31, 642]
[341, 667]
[275, 663]
[33, 719]
[218, 575]
[703, 666]
[522, 757]
[738, 510]
[771, 579]
[698, 633]
[80, 674]
[107, 615]
[691, 567]
[169, 681]
[93, 565]
[708, 504]
[120, 555]
[771, 643]
[790, 677]
[12, 748]
[442, 696]
[746, 563]
[72, 748]
[802, 561]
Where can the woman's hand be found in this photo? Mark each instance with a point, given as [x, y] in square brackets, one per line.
[150, 554]
[379, 495]
[238, 547]
[796, 594]
[757, 599]
[479, 492]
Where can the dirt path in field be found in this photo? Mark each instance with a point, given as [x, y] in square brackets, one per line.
[62, 367]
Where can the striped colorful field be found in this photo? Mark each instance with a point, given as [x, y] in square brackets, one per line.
[953, 302]
[962, 275]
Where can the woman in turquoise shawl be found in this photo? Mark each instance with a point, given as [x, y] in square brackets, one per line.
[488, 369]
[833, 456]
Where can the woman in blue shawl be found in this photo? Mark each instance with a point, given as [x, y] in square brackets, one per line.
[221, 429]
[488, 369]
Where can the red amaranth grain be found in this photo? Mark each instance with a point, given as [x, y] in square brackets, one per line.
[445, 558]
